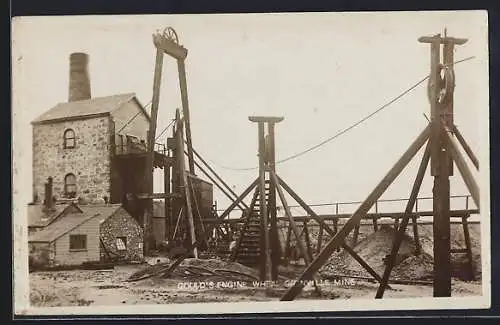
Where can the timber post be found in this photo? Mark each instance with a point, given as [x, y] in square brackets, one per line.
[440, 92]
[269, 250]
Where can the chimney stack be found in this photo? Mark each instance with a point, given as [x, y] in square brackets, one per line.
[48, 194]
[79, 81]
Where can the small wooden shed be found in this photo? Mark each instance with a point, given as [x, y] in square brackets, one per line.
[91, 233]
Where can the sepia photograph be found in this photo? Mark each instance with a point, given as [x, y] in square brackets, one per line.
[250, 163]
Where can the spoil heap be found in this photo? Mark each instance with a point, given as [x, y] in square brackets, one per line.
[377, 246]
[373, 249]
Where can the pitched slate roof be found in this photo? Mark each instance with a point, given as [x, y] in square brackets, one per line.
[71, 221]
[104, 210]
[85, 108]
[39, 217]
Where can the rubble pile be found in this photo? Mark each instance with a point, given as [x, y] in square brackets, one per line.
[375, 247]
[197, 270]
[415, 267]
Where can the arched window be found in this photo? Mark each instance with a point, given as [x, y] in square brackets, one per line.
[69, 139]
[70, 185]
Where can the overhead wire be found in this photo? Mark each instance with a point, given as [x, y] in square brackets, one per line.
[137, 114]
[133, 117]
[165, 129]
[352, 126]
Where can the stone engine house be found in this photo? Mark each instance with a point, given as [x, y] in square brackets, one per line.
[84, 144]
[94, 152]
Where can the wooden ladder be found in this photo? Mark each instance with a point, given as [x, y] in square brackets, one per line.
[247, 251]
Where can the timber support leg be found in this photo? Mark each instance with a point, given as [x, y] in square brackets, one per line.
[468, 247]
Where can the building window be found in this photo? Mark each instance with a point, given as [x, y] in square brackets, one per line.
[70, 185]
[77, 242]
[69, 139]
[121, 243]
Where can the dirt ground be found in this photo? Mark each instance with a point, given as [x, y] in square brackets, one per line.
[109, 287]
[215, 280]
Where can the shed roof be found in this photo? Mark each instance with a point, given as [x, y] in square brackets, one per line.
[38, 216]
[71, 221]
[98, 106]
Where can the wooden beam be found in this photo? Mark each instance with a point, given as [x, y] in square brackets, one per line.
[287, 243]
[227, 187]
[274, 236]
[434, 88]
[468, 248]
[443, 162]
[466, 147]
[320, 239]
[185, 112]
[416, 236]
[442, 40]
[463, 168]
[241, 206]
[319, 220]
[291, 220]
[447, 110]
[307, 240]
[441, 230]
[375, 224]
[198, 213]
[339, 238]
[312, 214]
[185, 184]
[266, 119]
[362, 262]
[204, 235]
[238, 200]
[334, 218]
[169, 47]
[398, 239]
[265, 270]
[176, 206]
[355, 235]
[157, 196]
[148, 166]
[166, 189]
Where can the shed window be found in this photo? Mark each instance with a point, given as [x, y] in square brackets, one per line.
[77, 242]
[70, 185]
[121, 243]
[69, 139]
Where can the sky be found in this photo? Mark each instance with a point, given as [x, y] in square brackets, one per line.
[322, 72]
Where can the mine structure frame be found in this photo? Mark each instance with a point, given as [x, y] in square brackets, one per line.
[442, 150]
[166, 42]
[178, 192]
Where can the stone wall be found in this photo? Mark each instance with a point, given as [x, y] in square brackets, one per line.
[121, 224]
[89, 160]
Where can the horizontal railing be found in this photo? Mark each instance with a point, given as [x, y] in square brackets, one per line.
[467, 205]
[376, 207]
[127, 144]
